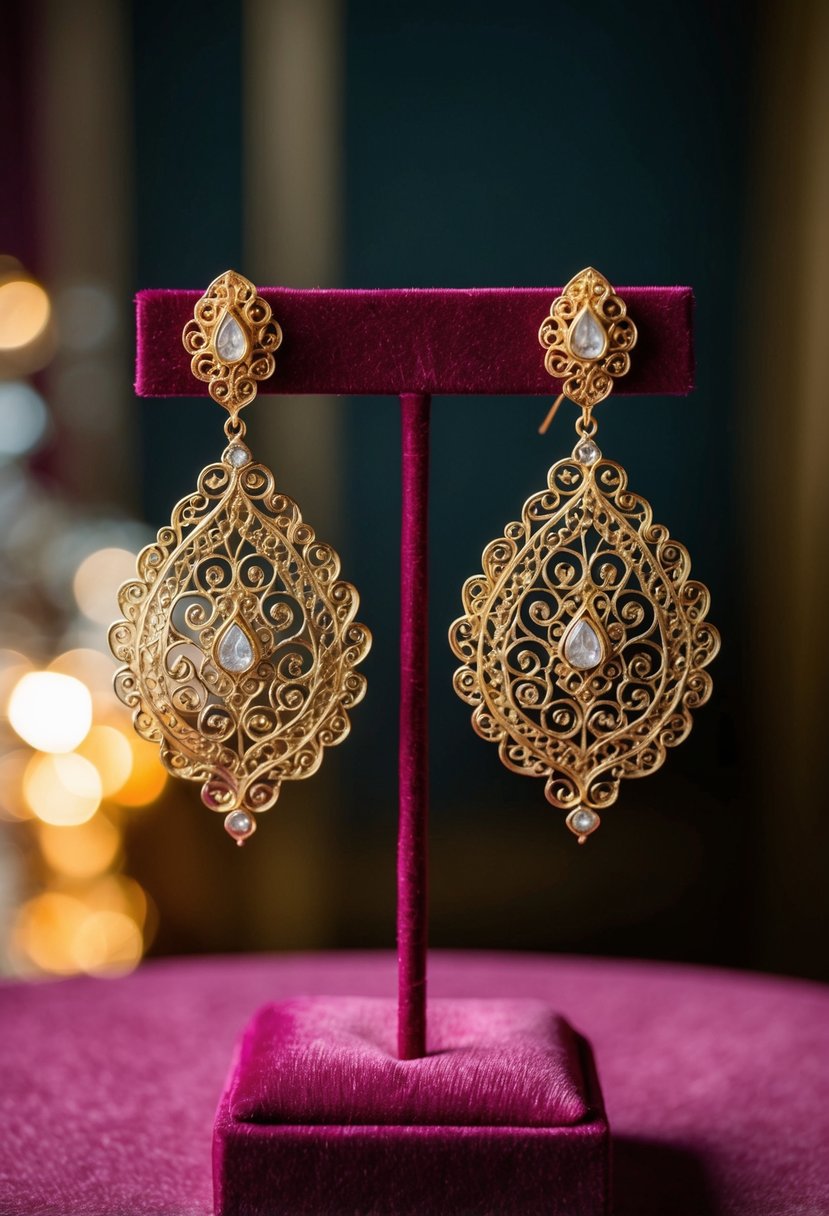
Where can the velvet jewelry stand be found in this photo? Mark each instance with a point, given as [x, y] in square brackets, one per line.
[498, 1107]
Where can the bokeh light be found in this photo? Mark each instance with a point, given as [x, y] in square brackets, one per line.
[13, 766]
[92, 667]
[13, 665]
[148, 776]
[45, 931]
[110, 752]
[23, 419]
[50, 711]
[97, 580]
[62, 790]
[107, 943]
[60, 933]
[81, 852]
[24, 313]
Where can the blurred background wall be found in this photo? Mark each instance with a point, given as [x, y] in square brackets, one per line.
[359, 143]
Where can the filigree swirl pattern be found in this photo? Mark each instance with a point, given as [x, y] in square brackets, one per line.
[584, 640]
[239, 640]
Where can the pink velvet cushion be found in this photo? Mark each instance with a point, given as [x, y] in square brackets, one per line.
[332, 1061]
[482, 340]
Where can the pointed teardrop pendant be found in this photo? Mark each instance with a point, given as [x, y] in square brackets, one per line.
[235, 650]
[586, 337]
[231, 343]
[583, 647]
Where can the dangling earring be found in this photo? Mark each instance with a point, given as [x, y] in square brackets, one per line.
[238, 636]
[584, 641]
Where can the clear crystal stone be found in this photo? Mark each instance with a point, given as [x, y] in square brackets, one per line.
[584, 821]
[586, 452]
[586, 337]
[236, 455]
[231, 343]
[583, 646]
[239, 825]
[235, 650]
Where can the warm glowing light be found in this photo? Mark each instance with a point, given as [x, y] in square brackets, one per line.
[117, 893]
[50, 711]
[108, 943]
[110, 752]
[12, 768]
[97, 580]
[58, 933]
[80, 852]
[92, 667]
[23, 418]
[24, 313]
[62, 790]
[13, 665]
[148, 777]
[45, 931]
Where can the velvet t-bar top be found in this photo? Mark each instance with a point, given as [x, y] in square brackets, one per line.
[419, 340]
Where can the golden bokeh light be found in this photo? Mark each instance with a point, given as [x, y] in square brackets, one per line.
[50, 711]
[80, 852]
[45, 931]
[24, 313]
[148, 776]
[13, 666]
[92, 667]
[60, 934]
[97, 580]
[118, 893]
[110, 751]
[107, 943]
[12, 768]
[62, 790]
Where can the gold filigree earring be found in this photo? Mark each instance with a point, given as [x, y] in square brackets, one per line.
[239, 639]
[584, 641]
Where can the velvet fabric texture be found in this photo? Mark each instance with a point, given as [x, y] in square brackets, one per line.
[320, 1117]
[413, 751]
[716, 1084]
[482, 340]
[333, 1060]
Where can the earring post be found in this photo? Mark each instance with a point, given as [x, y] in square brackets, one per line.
[551, 413]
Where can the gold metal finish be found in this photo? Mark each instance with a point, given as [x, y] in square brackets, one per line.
[239, 638]
[232, 382]
[586, 379]
[584, 640]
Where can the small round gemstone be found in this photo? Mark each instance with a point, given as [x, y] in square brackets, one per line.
[240, 825]
[586, 452]
[583, 821]
[236, 455]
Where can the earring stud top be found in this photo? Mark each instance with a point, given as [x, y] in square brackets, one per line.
[232, 338]
[588, 337]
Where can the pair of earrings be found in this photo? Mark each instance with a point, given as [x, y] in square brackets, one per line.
[582, 643]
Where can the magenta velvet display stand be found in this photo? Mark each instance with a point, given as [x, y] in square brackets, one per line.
[495, 1106]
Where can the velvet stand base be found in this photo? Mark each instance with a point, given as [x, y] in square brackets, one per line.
[504, 1114]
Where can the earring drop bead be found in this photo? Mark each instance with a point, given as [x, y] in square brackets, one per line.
[240, 825]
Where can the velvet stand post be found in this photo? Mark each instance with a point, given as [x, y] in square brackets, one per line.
[494, 1106]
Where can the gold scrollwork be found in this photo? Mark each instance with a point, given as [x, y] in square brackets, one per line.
[588, 337]
[585, 552]
[232, 338]
[238, 638]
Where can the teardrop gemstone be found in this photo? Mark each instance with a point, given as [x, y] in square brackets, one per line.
[231, 342]
[586, 337]
[235, 650]
[583, 647]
